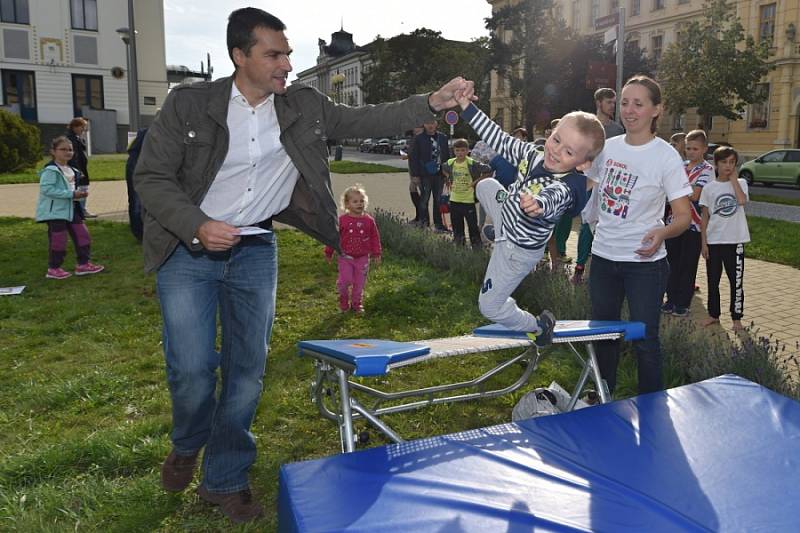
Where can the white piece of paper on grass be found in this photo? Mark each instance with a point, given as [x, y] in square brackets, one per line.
[7, 291]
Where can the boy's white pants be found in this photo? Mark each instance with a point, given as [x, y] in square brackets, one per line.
[507, 268]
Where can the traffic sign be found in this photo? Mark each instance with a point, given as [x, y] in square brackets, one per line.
[451, 117]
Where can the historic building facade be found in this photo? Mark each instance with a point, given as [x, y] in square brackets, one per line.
[656, 24]
[64, 58]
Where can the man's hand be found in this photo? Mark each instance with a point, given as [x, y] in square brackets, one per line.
[217, 236]
[445, 97]
[530, 205]
[80, 194]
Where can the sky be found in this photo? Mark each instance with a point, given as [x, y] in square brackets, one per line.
[195, 27]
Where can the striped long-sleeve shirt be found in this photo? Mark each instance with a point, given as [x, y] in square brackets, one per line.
[558, 194]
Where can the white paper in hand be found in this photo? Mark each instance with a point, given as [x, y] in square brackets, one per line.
[252, 230]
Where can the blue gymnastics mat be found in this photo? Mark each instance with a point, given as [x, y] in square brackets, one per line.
[719, 455]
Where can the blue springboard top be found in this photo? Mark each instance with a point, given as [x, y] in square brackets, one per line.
[572, 328]
[370, 357]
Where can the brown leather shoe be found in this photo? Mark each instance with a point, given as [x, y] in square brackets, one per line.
[177, 471]
[239, 507]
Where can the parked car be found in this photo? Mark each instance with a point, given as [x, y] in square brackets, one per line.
[383, 146]
[365, 145]
[777, 166]
[400, 146]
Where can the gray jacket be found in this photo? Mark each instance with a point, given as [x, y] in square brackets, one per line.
[187, 144]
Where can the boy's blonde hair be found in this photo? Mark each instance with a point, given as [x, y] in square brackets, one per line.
[353, 189]
[697, 135]
[589, 126]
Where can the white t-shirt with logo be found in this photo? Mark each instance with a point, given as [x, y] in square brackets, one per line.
[632, 184]
[727, 223]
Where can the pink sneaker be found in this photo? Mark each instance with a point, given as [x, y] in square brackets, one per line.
[88, 268]
[57, 273]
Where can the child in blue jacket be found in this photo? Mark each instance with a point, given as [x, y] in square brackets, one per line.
[58, 207]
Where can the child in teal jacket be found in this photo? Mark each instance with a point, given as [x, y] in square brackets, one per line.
[57, 206]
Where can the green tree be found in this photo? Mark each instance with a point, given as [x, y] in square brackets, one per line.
[422, 61]
[20, 147]
[714, 67]
[545, 63]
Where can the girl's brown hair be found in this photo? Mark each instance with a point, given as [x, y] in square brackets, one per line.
[58, 141]
[653, 89]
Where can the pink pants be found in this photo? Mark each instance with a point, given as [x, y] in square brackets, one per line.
[352, 272]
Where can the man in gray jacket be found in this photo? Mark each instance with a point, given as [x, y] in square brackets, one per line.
[222, 156]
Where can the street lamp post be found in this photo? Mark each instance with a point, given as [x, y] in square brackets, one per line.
[128, 36]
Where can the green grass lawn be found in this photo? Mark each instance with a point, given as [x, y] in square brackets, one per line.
[776, 241]
[771, 199]
[102, 167]
[106, 167]
[84, 405]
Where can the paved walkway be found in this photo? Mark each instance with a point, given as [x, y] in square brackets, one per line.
[772, 291]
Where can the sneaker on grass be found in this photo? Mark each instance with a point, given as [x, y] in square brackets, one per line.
[57, 273]
[680, 311]
[547, 323]
[88, 268]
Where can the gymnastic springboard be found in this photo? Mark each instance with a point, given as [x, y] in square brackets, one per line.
[369, 357]
[569, 329]
[719, 455]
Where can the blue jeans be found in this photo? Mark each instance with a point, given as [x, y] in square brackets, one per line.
[643, 285]
[194, 288]
[430, 185]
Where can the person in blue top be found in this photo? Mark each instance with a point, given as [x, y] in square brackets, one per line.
[58, 206]
[548, 185]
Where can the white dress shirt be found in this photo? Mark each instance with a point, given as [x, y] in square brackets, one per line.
[257, 178]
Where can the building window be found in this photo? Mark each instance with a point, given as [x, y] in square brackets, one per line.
[766, 24]
[678, 122]
[84, 14]
[576, 15]
[613, 7]
[658, 4]
[19, 93]
[595, 12]
[759, 113]
[86, 91]
[656, 45]
[14, 11]
[634, 43]
[683, 1]
[635, 6]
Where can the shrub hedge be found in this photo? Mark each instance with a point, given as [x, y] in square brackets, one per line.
[19, 143]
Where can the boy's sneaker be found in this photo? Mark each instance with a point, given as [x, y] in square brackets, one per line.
[88, 268]
[57, 273]
[547, 322]
[565, 259]
[668, 308]
[488, 232]
[680, 311]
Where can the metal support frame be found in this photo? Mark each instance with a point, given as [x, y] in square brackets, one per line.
[330, 371]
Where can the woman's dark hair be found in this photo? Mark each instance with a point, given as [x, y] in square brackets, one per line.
[653, 88]
[241, 24]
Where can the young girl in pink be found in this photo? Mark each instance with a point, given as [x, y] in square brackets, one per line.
[58, 206]
[358, 240]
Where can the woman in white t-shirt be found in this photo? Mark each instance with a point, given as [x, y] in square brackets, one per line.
[634, 175]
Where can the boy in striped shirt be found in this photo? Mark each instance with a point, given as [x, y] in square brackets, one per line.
[548, 185]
